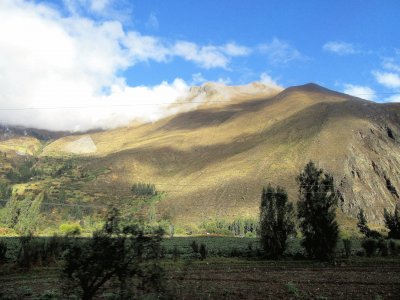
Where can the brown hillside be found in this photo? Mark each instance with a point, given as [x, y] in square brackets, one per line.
[213, 161]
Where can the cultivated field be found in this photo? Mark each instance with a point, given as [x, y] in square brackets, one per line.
[232, 270]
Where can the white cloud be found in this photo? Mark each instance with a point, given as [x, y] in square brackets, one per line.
[268, 80]
[206, 56]
[144, 48]
[394, 98]
[96, 6]
[232, 49]
[99, 5]
[64, 65]
[198, 78]
[359, 91]
[387, 79]
[280, 52]
[340, 48]
[391, 65]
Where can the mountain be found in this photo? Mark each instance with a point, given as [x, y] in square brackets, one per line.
[212, 161]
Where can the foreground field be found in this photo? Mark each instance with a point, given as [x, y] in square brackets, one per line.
[232, 270]
[227, 278]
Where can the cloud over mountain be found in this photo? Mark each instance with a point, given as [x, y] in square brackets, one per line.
[63, 72]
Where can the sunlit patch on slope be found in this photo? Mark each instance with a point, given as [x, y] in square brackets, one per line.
[83, 145]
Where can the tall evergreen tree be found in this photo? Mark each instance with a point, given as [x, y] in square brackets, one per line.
[276, 220]
[317, 212]
[392, 222]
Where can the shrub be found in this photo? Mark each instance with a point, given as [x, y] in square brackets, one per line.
[121, 253]
[363, 227]
[370, 246]
[70, 229]
[394, 249]
[382, 247]
[144, 189]
[276, 221]
[195, 247]
[203, 251]
[3, 251]
[347, 247]
[176, 253]
[30, 252]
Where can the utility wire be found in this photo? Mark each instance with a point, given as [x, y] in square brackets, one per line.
[133, 105]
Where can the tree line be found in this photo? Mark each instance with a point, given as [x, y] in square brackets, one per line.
[316, 217]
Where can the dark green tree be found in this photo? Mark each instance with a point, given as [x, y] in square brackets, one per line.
[392, 222]
[116, 253]
[276, 221]
[317, 212]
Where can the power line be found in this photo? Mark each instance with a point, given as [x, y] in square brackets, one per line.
[133, 105]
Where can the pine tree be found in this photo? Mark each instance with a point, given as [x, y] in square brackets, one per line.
[317, 212]
[276, 220]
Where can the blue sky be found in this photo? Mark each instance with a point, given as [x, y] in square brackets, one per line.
[102, 51]
[362, 35]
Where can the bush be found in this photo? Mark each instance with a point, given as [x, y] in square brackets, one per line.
[363, 227]
[347, 247]
[370, 246]
[176, 253]
[203, 251]
[383, 248]
[3, 251]
[394, 248]
[70, 229]
[144, 189]
[30, 252]
[121, 253]
[195, 247]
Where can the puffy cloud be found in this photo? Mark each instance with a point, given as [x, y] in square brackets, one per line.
[208, 56]
[387, 79]
[391, 65]
[340, 48]
[359, 91]
[268, 80]
[64, 72]
[205, 56]
[233, 49]
[280, 52]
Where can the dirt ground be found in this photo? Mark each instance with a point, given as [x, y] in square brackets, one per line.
[288, 280]
[217, 278]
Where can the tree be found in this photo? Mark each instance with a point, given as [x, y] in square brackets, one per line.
[276, 220]
[115, 252]
[317, 212]
[392, 222]
[363, 227]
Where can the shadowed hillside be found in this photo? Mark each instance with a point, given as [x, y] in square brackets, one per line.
[213, 161]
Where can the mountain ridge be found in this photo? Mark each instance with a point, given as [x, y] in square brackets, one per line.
[213, 161]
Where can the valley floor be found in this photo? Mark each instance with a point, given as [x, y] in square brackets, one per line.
[240, 278]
